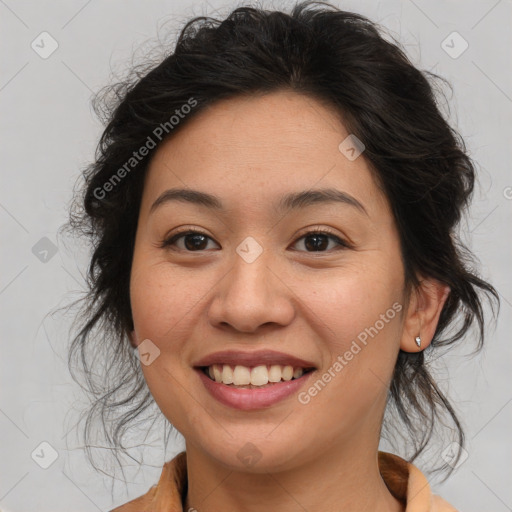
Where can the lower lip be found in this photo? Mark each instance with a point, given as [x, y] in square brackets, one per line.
[248, 399]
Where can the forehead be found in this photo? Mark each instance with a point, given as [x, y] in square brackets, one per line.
[252, 150]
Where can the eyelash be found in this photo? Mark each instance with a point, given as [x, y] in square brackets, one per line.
[168, 242]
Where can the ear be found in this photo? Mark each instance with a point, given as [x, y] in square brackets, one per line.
[425, 305]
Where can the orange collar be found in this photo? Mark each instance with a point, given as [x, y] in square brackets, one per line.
[404, 480]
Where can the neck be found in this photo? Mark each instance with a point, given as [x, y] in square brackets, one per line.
[346, 479]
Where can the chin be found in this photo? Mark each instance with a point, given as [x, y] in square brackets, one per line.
[253, 454]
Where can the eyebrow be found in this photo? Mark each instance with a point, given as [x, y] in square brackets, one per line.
[291, 201]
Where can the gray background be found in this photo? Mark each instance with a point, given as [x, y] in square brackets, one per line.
[48, 133]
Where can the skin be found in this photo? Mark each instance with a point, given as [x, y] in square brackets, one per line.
[190, 303]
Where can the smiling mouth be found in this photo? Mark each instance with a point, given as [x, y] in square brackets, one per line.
[252, 377]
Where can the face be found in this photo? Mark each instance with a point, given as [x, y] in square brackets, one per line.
[314, 284]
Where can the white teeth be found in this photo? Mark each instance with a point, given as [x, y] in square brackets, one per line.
[217, 372]
[297, 373]
[287, 373]
[241, 375]
[227, 374]
[259, 376]
[256, 376]
[274, 374]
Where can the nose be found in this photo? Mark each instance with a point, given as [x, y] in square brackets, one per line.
[252, 295]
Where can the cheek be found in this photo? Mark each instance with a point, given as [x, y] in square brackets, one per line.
[350, 302]
[162, 302]
[358, 313]
[162, 297]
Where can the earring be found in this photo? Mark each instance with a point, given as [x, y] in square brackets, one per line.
[418, 341]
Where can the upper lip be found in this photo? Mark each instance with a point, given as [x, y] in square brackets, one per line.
[256, 358]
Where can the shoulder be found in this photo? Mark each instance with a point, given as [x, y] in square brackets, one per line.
[167, 495]
[409, 485]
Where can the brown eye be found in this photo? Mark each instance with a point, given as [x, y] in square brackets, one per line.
[193, 241]
[196, 241]
[318, 241]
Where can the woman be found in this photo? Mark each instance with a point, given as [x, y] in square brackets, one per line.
[273, 211]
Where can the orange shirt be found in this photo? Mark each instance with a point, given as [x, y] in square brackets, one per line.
[404, 480]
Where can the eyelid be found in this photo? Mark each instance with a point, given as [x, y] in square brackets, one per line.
[324, 230]
[342, 242]
[169, 240]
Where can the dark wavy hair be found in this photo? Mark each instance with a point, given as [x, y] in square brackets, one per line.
[340, 59]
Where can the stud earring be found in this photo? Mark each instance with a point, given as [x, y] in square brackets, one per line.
[418, 341]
